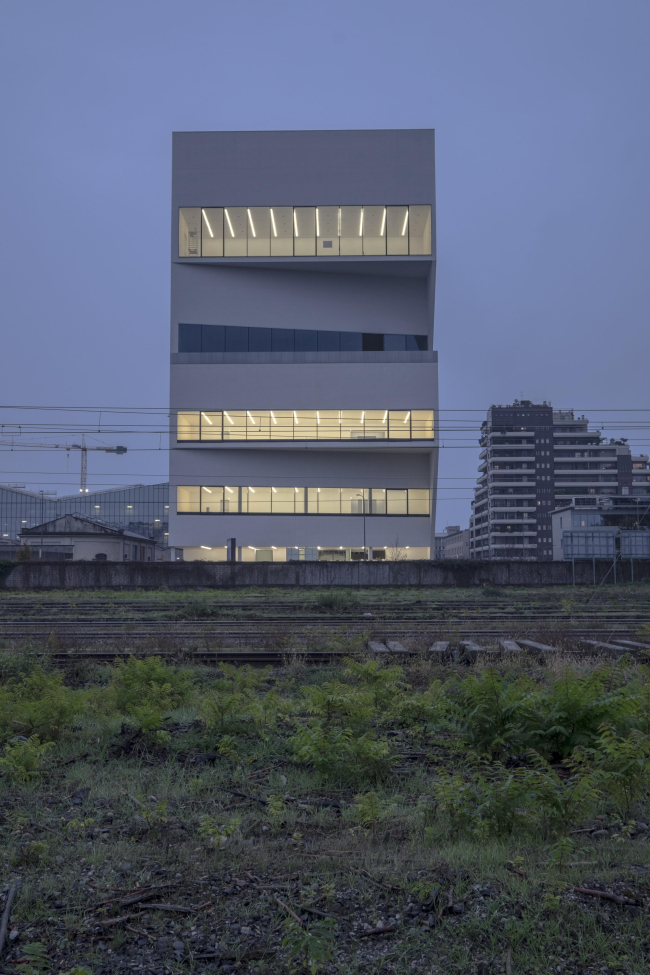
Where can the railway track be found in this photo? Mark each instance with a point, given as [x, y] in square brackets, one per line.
[458, 651]
[329, 622]
[136, 609]
[276, 638]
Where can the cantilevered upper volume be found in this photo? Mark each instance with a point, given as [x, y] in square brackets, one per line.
[304, 383]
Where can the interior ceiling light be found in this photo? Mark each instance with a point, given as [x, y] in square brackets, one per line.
[383, 224]
[275, 229]
[232, 232]
[274, 547]
[363, 415]
[207, 223]
[207, 418]
[208, 490]
[407, 416]
[383, 421]
[273, 418]
[248, 414]
[208, 547]
[274, 490]
[295, 417]
[228, 417]
[317, 416]
[295, 223]
[230, 490]
[252, 490]
[251, 223]
[317, 224]
[406, 220]
[361, 223]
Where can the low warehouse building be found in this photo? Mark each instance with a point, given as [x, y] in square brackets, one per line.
[72, 537]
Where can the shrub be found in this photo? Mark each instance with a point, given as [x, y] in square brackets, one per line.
[383, 682]
[136, 680]
[493, 716]
[576, 706]
[312, 948]
[40, 704]
[492, 799]
[430, 706]
[498, 718]
[219, 833]
[370, 809]
[145, 690]
[559, 802]
[337, 601]
[338, 703]
[620, 767]
[233, 699]
[21, 759]
[337, 753]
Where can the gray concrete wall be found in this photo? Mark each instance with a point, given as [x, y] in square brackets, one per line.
[260, 298]
[296, 386]
[313, 168]
[197, 575]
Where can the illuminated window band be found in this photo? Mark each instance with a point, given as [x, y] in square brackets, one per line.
[329, 231]
[208, 425]
[240, 338]
[214, 500]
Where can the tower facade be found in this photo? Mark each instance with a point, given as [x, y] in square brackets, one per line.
[534, 459]
[303, 377]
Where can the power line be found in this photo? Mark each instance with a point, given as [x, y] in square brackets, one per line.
[165, 410]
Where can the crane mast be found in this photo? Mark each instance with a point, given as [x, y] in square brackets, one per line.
[82, 447]
[83, 489]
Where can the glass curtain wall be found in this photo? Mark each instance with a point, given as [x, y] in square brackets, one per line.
[197, 499]
[323, 231]
[210, 425]
[241, 338]
[143, 509]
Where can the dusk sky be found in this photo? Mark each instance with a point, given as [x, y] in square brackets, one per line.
[541, 113]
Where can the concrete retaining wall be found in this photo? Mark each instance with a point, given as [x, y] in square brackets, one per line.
[198, 575]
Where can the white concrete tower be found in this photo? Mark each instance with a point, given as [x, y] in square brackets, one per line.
[303, 378]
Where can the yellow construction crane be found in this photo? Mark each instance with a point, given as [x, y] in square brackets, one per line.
[83, 484]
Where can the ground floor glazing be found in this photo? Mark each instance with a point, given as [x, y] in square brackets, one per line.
[312, 553]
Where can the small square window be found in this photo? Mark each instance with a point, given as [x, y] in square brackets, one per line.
[328, 342]
[283, 339]
[372, 342]
[259, 339]
[351, 341]
[306, 340]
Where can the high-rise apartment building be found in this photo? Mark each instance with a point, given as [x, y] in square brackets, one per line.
[535, 458]
[303, 377]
